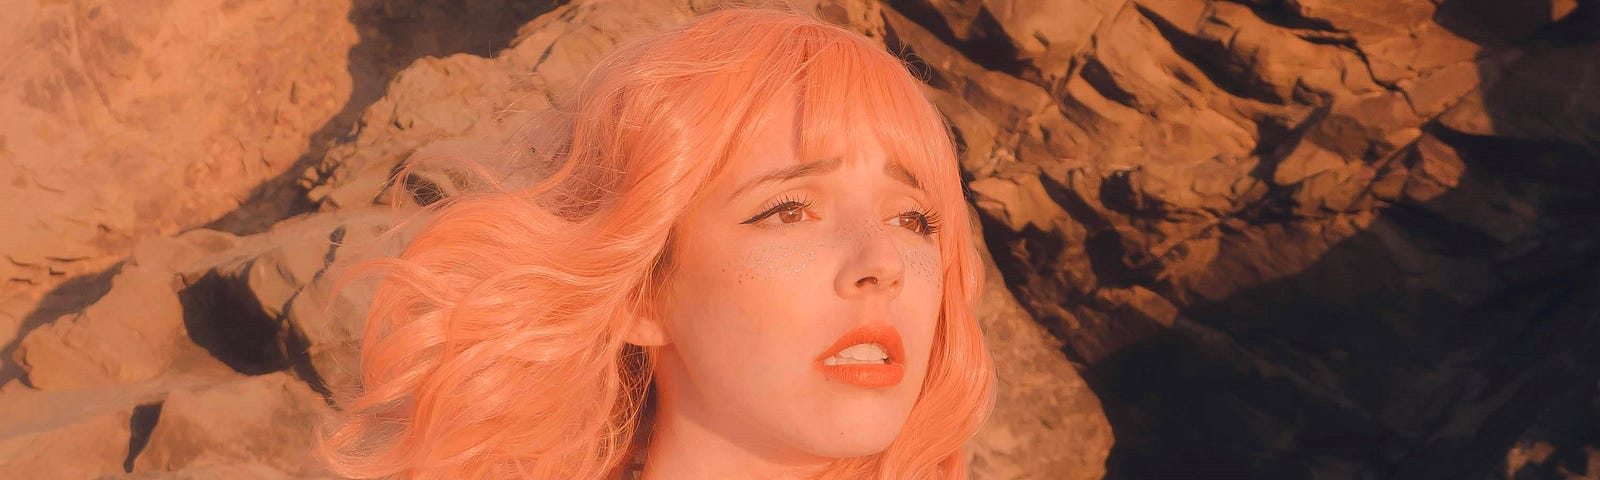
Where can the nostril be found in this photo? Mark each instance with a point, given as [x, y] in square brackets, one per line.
[864, 281]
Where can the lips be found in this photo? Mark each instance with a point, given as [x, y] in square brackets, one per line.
[866, 374]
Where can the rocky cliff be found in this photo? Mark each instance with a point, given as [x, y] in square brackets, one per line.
[1230, 239]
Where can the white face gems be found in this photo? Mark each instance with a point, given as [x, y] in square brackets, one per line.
[785, 259]
[922, 263]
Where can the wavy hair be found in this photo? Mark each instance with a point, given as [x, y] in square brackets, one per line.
[509, 303]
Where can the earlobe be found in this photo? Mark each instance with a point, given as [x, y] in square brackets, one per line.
[646, 332]
[645, 329]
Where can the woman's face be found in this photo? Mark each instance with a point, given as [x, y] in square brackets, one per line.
[790, 291]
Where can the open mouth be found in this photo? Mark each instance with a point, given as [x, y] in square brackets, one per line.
[867, 356]
[859, 354]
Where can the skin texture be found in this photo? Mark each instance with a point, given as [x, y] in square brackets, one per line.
[750, 307]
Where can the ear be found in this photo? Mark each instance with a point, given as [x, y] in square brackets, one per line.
[644, 327]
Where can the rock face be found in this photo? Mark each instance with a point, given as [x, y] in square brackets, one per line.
[1046, 421]
[267, 420]
[128, 120]
[1248, 239]
[1296, 239]
[134, 119]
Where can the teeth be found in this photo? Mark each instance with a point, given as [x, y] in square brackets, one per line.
[868, 353]
[865, 351]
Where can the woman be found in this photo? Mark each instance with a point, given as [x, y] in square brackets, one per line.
[750, 258]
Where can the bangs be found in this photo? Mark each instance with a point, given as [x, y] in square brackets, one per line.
[852, 94]
[848, 94]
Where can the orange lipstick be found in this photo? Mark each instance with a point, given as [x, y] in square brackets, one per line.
[883, 374]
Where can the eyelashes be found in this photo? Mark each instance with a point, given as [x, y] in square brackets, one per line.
[925, 221]
[929, 220]
[781, 204]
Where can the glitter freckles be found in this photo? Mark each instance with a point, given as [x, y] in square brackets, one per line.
[771, 262]
[922, 263]
[789, 259]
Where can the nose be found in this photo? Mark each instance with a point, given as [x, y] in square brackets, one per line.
[873, 265]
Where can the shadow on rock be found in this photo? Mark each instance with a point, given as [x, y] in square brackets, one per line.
[71, 296]
[393, 33]
[1445, 334]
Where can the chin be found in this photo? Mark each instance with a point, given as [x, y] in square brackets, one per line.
[855, 444]
[860, 429]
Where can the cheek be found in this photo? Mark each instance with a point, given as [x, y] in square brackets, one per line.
[775, 262]
[922, 264]
[923, 296]
[742, 308]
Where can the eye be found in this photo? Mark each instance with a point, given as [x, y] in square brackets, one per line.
[923, 222]
[791, 213]
[787, 210]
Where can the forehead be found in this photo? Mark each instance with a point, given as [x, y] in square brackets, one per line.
[844, 100]
[785, 143]
[770, 141]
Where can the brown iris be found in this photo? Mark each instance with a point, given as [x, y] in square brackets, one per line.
[791, 214]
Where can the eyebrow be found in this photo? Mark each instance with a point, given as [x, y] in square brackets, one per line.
[818, 167]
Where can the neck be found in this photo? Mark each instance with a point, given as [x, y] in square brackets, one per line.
[686, 443]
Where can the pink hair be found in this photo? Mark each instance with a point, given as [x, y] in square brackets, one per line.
[493, 345]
